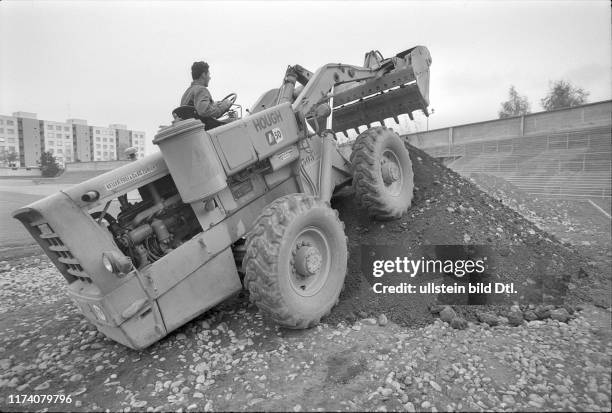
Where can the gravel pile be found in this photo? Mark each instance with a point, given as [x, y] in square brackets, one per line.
[575, 223]
[449, 209]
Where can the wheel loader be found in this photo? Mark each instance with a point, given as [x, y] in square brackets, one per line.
[149, 246]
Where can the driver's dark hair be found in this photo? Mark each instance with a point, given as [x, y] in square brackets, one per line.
[197, 68]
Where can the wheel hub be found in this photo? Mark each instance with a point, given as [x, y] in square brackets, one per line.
[308, 261]
[390, 172]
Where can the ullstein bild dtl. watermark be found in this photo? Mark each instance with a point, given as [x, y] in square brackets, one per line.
[456, 274]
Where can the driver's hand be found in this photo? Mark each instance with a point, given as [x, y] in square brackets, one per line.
[226, 105]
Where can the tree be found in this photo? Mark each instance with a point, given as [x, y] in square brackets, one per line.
[562, 94]
[48, 165]
[516, 105]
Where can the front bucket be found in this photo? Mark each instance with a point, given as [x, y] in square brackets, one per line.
[402, 90]
[391, 104]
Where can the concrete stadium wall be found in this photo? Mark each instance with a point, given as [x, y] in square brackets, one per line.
[588, 116]
[581, 117]
[20, 172]
[94, 166]
[505, 128]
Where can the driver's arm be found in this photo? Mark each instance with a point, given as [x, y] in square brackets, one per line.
[204, 104]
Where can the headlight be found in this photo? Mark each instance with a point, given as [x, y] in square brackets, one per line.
[116, 263]
[107, 263]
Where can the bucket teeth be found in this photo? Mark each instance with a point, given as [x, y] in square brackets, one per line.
[396, 119]
[410, 116]
[345, 134]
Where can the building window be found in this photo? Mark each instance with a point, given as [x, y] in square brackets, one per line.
[98, 146]
[59, 151]
[1, 122]
[51, 143]
[57, 127]
[66, 128]
[98, 139]
[10, 131]
[98, 153]
[11, 140]
[58, 136]
[97, 132]
[1, 130]
[68, 136]
[10, 122]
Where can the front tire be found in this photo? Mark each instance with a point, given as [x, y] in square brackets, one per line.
[296, 260]
[383, 180]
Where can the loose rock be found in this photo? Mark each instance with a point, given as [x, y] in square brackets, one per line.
[459, 323]
[447, 314]
[560, 314]
[488, 318]
[515, 318]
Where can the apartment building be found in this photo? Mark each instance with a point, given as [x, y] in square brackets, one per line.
[9, 141]
[30, 142]
[122, 139]
[104, 143]
[138, 141]
[57, 138]
[71, 141]
[82, 140]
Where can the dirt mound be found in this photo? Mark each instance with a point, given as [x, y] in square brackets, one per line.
[447, 209]
[575, 222]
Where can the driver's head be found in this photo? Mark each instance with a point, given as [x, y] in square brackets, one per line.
[199, 71]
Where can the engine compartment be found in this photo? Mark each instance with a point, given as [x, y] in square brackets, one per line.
[151, 227]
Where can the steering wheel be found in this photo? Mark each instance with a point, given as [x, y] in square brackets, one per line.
[231, 98]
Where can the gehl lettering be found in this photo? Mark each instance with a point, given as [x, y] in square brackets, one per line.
[268, 120]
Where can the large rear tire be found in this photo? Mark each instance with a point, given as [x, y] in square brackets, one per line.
[296, 259]
[383, 180]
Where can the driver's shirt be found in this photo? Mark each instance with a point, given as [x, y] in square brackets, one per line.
[197, 95]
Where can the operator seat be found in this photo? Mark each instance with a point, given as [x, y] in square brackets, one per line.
[189, 112]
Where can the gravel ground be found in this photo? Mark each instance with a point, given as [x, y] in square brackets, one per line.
[232, 359]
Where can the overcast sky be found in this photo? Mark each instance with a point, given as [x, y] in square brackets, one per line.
[128, 62]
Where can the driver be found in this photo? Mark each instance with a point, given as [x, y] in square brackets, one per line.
[198, 96]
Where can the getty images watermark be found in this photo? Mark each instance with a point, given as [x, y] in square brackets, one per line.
[457, 267]
[462, 274]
